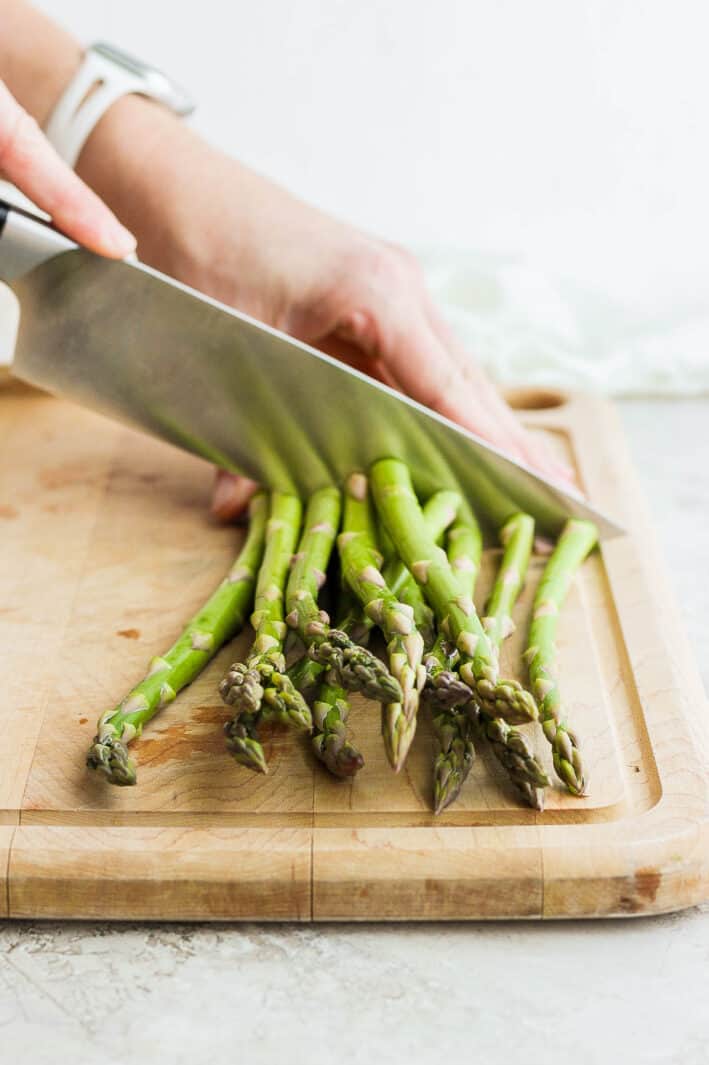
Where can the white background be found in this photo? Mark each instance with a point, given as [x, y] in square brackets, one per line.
[568, 131]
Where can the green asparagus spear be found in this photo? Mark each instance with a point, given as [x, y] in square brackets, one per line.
[439, 511]
[445, 692]
[330, 710]
[576, 540]
[517, 539]
[401, 514]
[444, 688]
[220, 618]
[353, 667]
[259, 689]
[331, 743]
[361, 564]
[306, 675]
[509, 746]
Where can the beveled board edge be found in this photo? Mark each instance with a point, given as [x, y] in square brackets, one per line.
[160, 874]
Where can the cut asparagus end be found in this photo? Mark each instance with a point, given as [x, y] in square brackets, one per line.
[109, 755]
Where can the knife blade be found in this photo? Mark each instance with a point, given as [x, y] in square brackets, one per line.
[144, 349]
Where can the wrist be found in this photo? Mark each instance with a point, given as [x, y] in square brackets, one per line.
[129, 160]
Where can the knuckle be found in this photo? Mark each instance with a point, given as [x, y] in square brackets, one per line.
[407, 261]
[388, 264]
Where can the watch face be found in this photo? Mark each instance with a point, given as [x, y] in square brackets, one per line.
[157, 85]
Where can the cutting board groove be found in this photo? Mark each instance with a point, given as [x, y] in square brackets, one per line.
[108, 548]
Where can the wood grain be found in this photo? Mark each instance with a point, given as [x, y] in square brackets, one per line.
[108, 548]
[6, 837]
[161, 873]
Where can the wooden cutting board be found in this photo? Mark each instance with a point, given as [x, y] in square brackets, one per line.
[107, 548]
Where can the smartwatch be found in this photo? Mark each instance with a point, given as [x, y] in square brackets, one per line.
[106, 73]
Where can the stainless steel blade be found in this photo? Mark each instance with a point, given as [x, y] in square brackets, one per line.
[137, 346]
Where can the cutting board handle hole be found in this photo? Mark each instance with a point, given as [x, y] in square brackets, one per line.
[535, 398]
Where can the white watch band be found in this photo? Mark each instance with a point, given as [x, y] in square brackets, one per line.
[104, 76]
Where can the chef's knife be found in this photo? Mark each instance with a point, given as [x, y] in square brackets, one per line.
[127, 341]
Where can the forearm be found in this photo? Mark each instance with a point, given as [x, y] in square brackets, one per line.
[37, 57]
[137, 158]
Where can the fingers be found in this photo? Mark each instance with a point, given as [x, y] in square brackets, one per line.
[415, 357]
[533, 449]
[231, 495]
[416, 351]
[350, 353]
[391, 317]
[29, 161]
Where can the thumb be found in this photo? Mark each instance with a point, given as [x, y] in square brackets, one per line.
[29, 161]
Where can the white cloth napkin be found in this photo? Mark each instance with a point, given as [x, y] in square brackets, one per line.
[527, 328]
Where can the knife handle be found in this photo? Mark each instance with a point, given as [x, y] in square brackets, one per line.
[26, 241]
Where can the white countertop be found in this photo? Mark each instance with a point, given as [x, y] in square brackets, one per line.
[581, 992]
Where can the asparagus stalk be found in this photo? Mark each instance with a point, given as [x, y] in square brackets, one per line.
[509, 746]
[446, 693]
[259, 689]
[401, 514]
[444, 688]
[410, 594]
[454, 731]
[331, 743]
[361, 564]
[439, 511]
[219, 620]
[306, 675]
[354, 667]
[577, 539]
[330, 710]
[517, 539]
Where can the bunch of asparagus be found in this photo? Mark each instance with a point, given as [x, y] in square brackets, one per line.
[403, 569]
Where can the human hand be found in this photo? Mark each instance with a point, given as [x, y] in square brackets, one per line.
[28, 160]
[238, 237]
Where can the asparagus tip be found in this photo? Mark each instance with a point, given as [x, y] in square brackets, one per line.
[445, 690]
[109, 755]
[243, 743]
[398, 731]
[444, 795]
[339, 756]
[249, 753]
[355, 668]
